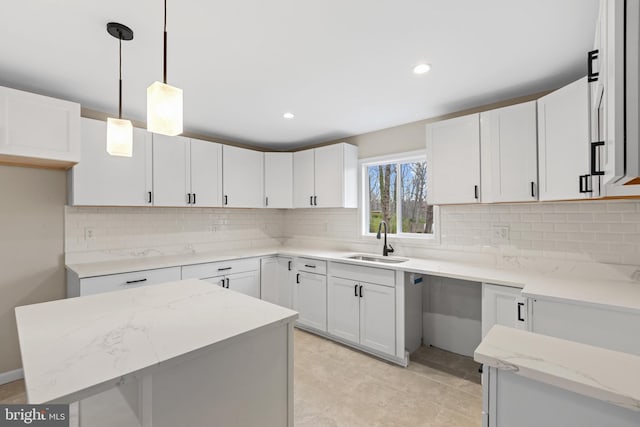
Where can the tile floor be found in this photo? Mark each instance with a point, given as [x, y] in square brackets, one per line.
[336, 386]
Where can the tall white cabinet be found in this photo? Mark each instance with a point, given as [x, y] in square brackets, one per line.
[278, 180]
[453, 161]
[326, 177]
[509, 154]
[563, 144]
[243, 177]
[104, 180]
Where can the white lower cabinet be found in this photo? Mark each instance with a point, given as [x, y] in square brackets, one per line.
[503, 305]
[240, 275]
[598, 326]
[276, 280]
[310, 300]
[117, 282]
[360, 312]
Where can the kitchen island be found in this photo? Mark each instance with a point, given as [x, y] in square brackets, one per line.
[179, 353]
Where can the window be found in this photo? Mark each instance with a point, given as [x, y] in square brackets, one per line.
[394, 190]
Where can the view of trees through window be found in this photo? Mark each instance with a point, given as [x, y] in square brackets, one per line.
[398, 195]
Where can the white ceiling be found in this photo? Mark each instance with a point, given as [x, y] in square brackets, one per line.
[344, 67]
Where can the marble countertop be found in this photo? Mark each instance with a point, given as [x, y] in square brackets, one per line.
[602, 374]
[79, 344]
[599, 285]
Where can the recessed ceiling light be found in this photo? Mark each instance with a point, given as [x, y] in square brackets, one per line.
[288, 115]
[422, 68]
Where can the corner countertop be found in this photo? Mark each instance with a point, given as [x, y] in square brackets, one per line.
[78, 344]
[612, 287]
[596, 372]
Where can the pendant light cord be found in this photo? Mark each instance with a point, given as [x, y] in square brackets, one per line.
[165, 42]
[120, 77]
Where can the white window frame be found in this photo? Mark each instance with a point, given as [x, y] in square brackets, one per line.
[408, 157]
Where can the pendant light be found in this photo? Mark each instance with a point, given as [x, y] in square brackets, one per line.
[164, 102]
[119, 131]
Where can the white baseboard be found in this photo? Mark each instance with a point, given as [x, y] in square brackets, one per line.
[11, 376]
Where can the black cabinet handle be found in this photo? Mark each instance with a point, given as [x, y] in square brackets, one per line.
[188, 198]
[266, 201]
[533, 189]
[129, 282]
[226, 200]
[298, 278]
[584, 184]
[591, 75]
[311, 200]
[228, 283]
[520, 318]
[310, 266]
[224, 268]
[149, 197]
[360, 291]
[475, 191]
[315, 200]
[222, 283]
[355, 290]
[194, 198]
[289, 265]
[594, 167]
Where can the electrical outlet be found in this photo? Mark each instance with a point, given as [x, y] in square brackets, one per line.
[500, 234]
[89, 234]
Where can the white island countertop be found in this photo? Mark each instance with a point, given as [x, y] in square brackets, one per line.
[595, 372]
[91, 343]
[604, 285]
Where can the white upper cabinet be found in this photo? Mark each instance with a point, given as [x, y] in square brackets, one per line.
[453, 161]
[303, 179]
[243, 177]
[563, 143]
[205, 161]
[170, 170]
[104, 180]
[278, 180]
[509, 154]
[336, 176]
[326, 177]
[38, 130]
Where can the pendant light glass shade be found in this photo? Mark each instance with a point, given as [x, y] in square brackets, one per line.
[119, 137]
[164, 109]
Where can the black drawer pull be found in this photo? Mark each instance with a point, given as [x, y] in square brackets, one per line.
[310, 266]
[591, 75]
[129, 282]
[594, 149]
[360, 291]
[584, 184]
[228, 283]
[289, 265]
[224, 268]
[298, 278]
[520, 318]
[355, 290]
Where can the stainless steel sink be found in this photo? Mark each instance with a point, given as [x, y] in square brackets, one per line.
[377, 258]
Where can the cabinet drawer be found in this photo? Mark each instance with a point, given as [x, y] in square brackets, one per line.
[116, 282]
[221, 268]
[311, 265]
[380, 276]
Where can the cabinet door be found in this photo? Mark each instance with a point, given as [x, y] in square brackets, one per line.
[170, 170]
[247, 283]
[310, 300]
[509, 154]
[206, 173]
[39, 127]
[303, 179]
[278, 180]
[329, 176]
[285, 282]
[563, 142]
[343, 309]
[104, 180]
[242, 177]
[378, 317]
[502, 305]
[453, 161]
[218, 280]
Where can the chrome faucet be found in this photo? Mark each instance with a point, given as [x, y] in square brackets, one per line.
[386, 250]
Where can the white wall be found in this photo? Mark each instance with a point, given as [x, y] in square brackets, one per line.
[31, 247]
